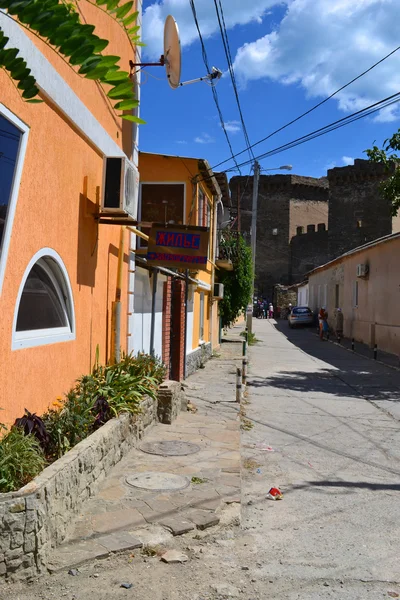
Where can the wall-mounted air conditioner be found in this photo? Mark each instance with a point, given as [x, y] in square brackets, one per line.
[120, 187]
[218, 291]
[362, 270]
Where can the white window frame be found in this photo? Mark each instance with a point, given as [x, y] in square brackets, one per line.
[52, 335]
[12, 203]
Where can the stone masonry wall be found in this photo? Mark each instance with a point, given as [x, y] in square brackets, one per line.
[357, 211]
[195, 359]
[308, 251]
[37, 518]
[170, 401]
[281, 199]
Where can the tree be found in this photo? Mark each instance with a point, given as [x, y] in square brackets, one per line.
[58, 24]
[390, 188]
[237, 283]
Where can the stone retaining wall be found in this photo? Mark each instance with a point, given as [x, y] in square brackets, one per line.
[37, 517]
[171, 400]
[195, 359]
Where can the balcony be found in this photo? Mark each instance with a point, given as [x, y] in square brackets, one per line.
[226, 249]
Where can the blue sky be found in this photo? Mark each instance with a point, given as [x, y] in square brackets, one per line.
[287, 56]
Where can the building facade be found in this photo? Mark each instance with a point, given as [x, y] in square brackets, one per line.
[364, 283]
[181, 191]
[58, 266]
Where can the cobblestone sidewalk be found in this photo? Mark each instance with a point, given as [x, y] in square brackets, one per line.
[121, 516]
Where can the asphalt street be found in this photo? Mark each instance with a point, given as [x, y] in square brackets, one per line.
[327, 433]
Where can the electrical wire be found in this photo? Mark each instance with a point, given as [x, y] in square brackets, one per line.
[225, 41]
[360, 114]
[314, 107]
[214, 91]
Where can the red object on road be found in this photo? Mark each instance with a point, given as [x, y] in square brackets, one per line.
[275, 494]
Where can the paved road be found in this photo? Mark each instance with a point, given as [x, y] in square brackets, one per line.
[330, 418]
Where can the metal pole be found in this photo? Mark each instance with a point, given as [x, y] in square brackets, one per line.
[352, 344]
[256, 179]
[244, 348]
[244, 370]
[238, 385]
[375, 351]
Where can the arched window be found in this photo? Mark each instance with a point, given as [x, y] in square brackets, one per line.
[44, 312]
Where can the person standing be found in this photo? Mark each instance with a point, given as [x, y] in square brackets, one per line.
[271, 311]
[323, 322]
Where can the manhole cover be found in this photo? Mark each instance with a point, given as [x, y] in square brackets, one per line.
[170, 448]
[158, 482]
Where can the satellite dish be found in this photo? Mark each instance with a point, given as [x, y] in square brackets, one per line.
[171, 59]
[172, 52]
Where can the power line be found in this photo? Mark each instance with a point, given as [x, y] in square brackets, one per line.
[314, 107]
[365, 112]
[369, 110]
[225, 41]
[214, 91]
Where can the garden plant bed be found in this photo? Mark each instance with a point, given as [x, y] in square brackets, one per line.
[37, 518]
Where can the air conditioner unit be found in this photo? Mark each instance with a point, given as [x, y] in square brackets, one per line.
[120, 187]
[218, 290]
[362, 270]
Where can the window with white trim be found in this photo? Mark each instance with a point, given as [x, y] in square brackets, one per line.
[44, 312]
[13, 140]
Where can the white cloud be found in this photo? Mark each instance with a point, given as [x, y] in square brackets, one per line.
[181, 141]
[232, 126]
[323, 44]
[236, 12]
[205, 138]
[347, 161]
[329, 165]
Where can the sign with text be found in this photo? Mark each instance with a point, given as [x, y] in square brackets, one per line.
[178, 246]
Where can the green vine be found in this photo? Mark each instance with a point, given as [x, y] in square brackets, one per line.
[58, 24]
[237, 283]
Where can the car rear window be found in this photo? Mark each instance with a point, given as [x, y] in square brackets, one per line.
[301, 311]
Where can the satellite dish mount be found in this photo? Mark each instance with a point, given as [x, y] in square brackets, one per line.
[171, 59]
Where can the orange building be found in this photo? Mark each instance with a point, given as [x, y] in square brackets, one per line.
[177, 190]
[58, 265]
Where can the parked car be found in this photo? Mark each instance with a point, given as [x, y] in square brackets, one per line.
[300, 315]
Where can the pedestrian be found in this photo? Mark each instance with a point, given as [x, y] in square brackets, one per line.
[339, 324]
[271, 311]
[323, 322]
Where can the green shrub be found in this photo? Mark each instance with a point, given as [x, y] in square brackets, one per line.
[21, 459]
[70, 425]
[107, 392]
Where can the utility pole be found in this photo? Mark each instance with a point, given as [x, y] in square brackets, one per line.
[256, 179]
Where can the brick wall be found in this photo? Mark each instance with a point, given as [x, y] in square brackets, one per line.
[178, 327]
[166, 324]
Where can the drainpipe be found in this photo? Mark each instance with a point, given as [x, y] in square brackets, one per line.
[186, 323]
[116, 306]
[153, 311]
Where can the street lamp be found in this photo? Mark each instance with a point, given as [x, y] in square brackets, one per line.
[256, 178]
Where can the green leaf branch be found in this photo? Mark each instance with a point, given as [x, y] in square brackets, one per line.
[58, 25]
[388, 157]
